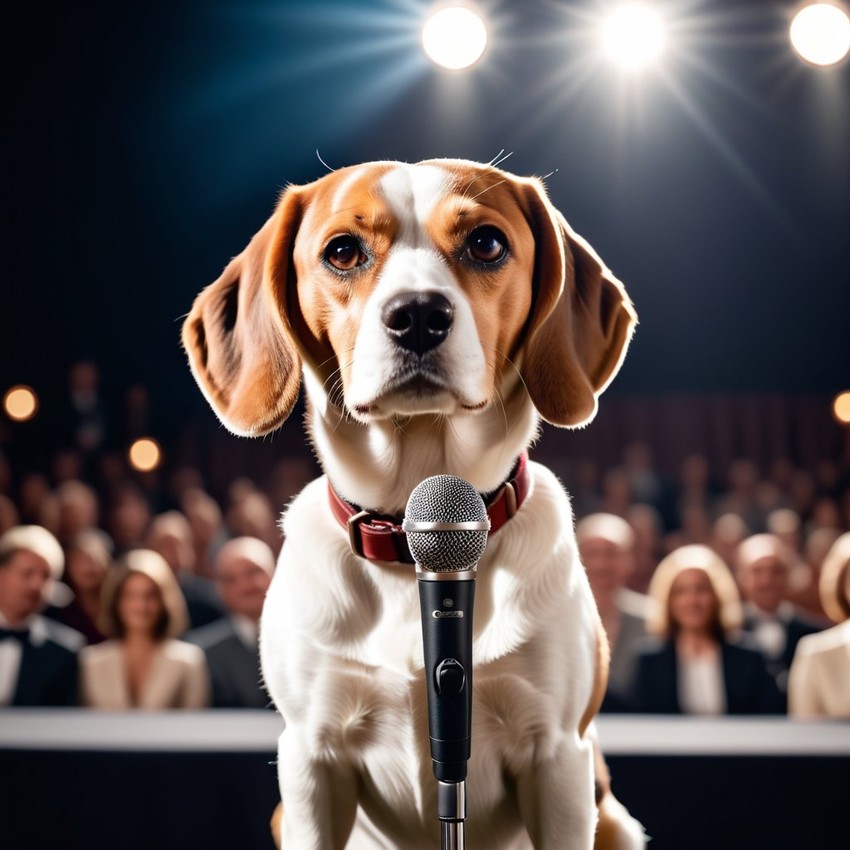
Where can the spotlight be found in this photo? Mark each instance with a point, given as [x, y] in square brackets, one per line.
[454, 37]
[820, 33]
[20, 403]
[145, 454]
[633, 35]
[841, 408]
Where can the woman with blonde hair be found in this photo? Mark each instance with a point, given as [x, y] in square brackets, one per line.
[819, 680]
[143, 665]
[697, 662]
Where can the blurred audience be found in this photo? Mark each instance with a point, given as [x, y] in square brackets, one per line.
[250, 514]
[805, 591]
[763, 566]
[606, 544]
[76, 484]
[129, 516]
[696, 665]
[648, 528]
[88, 558]
[9, 516]
[78, 509]
[207, 526]
[243, 571]
[84, 415]
[819, 681]
[143, 665]
[38, 657]
[171, 536]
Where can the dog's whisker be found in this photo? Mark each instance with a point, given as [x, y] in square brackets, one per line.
[497, 162]
[319, 157]
[483, 191]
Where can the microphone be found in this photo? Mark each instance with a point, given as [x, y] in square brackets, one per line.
[446, 525]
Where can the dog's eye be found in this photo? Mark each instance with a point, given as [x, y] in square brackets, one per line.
[486, 245]
[344, 253]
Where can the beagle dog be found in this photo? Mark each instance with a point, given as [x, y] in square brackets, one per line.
[436, 312]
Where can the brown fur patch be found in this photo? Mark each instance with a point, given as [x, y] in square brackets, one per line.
[600, 679]
[607, 831]
[276, 824]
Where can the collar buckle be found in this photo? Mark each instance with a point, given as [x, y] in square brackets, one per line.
[354, 536]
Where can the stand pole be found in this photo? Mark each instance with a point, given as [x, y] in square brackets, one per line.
[451, 808]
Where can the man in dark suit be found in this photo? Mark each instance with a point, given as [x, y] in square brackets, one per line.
[243, 571]
[606, 544]
[763, 567]
[38, 657]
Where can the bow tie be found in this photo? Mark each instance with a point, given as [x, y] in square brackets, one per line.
[20, 635]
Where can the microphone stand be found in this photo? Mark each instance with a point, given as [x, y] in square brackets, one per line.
[447, 526]
[451, 809]
[446, 600]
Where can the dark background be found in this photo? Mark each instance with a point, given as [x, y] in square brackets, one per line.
[147, 141]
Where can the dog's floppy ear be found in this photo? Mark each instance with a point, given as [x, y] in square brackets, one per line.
[581, 320]
[238, 337]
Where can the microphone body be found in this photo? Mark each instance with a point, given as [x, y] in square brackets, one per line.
[446, 525]
[446, 608]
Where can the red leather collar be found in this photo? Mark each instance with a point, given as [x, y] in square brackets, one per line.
[380, 538]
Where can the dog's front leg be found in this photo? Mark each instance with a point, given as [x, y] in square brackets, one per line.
[556, 797]
[319, 796]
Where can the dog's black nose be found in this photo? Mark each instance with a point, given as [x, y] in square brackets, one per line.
[418, 321]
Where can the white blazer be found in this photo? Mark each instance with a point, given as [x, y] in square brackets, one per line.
[819, 679]
[178, 678]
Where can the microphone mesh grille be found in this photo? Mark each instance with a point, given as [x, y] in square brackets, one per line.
[446, 498]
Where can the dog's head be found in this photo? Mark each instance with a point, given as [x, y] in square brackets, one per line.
[408, 289]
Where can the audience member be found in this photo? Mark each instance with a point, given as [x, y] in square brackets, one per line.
[9, 516]
[170, 535]
[78, 509]
[250, 514]
[38, 657]
[785, 524]
[243, 571]
[696, 665]
[819, 681]
[88, 558]
[617, 496]
[694, 488]
[644, 481]
[695, 528]
[648, 528]
[805, 591]
[606, 546]
[741, 497]
[143, 665]
[803, 493]
[207, 526]
[583, 485]
[727, 532]
[85, 415]
[825, 514]
[763, 565]
[34, 489]
[129, 516]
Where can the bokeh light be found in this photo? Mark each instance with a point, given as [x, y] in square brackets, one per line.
[820, 33]
[20, 403]
[841, 407]
[454, 37]
[145, 454]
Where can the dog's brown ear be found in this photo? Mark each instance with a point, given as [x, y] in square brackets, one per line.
[238, 338]
[581, 320]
